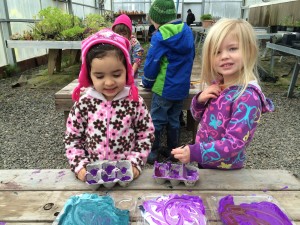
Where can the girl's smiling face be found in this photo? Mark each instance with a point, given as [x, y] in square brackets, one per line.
[108, 75]
[228, 61]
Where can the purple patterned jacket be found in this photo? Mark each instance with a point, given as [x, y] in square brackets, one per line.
[98, 129]
[227, 127]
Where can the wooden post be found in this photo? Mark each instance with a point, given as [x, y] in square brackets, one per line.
[52, 57]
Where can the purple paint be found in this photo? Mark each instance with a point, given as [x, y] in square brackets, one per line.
[92, 182]
[94, 172]
[61, 173]
[125, 178]
[284, 188]
[175, 209]
[175, 171]
[254, 213]
[12, 185]
[109, 169]
[123, 170]
[36, 171]
[2, 223]
[109, 172]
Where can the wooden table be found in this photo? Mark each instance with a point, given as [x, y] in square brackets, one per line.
[55, 50]
[63, 98]
[24, 193]
[291, 51]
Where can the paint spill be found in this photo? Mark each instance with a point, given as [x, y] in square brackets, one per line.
[36, 171]
[255, 213]
[174, 209]
[61, 173]
[284, 188]
[12, 185]
[91, 209]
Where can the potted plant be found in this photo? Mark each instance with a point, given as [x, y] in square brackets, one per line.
[297, 26]
[207, 20]
[287, 24]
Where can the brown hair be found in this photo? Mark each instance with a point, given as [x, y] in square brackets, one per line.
[122, 29]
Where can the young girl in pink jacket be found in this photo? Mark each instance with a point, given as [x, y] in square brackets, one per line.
[110, 121]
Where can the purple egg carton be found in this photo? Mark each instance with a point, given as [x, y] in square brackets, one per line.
[175, 173]
[108, 173]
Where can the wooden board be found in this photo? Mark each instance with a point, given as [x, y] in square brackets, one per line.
[29, 205]
[64, 179]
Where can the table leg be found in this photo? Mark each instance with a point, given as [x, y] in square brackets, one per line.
[196, 37]
[74, 56]
[58, 60]
[272, 63]
[54, 58]
[294, 78]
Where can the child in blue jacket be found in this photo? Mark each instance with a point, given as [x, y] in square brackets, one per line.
[167, 72]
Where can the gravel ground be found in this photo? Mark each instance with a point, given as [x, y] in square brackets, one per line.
[31, 131]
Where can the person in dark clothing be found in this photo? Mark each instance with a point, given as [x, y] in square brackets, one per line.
[190, 17]
[151, 31]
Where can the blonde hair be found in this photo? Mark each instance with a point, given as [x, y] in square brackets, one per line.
[245, 35]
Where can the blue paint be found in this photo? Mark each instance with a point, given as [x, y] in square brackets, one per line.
[91, 209]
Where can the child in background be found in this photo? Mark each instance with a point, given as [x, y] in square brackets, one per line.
[231, 103]
[167, 71]
[110, 121]
[123, 26]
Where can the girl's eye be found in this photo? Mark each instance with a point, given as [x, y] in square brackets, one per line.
[99, 77]
[233, 49]
[117, 75]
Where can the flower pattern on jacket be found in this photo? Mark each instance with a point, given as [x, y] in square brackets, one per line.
[108, 130]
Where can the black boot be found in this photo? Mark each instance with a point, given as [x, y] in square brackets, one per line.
[181, 119]
[172, 142]
[153, 156]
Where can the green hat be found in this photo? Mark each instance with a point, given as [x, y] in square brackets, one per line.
[162, 11]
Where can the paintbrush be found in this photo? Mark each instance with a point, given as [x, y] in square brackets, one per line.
[170, 157]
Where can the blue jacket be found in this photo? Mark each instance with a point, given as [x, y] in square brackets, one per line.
[169, 61]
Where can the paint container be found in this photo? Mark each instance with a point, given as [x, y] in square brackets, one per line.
[172, 209]
[175, 173]
[108, 173]
[243, 206]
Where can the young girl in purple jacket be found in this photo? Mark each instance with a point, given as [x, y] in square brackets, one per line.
[231, 101]
[110, 121]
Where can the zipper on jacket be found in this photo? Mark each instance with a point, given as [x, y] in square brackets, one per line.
[107, 129]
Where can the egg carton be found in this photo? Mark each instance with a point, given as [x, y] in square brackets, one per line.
[108, 173]
[175, 173]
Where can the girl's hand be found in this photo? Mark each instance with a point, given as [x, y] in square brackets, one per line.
[136, 172]
[182, 154]
[213, 91]
[81, 174]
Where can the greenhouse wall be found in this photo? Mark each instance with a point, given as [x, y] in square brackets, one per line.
[18, 16]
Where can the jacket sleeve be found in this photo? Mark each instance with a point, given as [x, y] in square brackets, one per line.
[152, 63]
[144, 138]
[229, 151]
[197, 109]
[74, 139]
